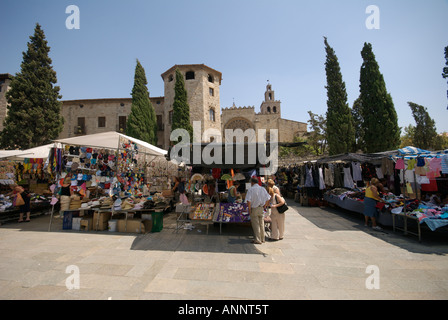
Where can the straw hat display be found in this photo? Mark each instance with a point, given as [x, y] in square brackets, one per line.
[197, 177]
[128, 204]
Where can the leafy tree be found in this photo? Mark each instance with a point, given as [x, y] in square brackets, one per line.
[141, 122]
[441, 141]
[317, 137]
[340, 129]
[300, 151]
[380, 122]
[425, 131]
[181, 109]
[33, 117]
[445, 69]
[408, 138]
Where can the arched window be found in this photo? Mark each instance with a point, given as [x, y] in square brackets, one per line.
[170, 78]
[269, 109]
[212, 114]
[274, 109]
[189, 75]
[210, 78]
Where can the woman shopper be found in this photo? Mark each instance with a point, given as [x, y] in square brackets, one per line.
[65, 195]
[370, 200]
[25, 208]
[277, 218]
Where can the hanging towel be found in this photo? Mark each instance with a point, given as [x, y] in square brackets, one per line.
[357, 172]
[348, 180]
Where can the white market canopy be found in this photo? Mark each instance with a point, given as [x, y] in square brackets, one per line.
[37, 152]
[112, 140]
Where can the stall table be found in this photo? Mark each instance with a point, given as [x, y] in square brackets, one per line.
[405, 228]
[201, 212]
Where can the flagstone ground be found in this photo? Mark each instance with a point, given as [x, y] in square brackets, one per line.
[324, 255]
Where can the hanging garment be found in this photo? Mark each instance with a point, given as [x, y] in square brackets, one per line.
[379, 172]
[444, 164]
[309, 177]
[328, 177]
[399, 164]
[321, 179]
[435, 165]
[412, 163]
[348, 180]
[338, 178]
[387, 166]
[409, 176]
[357, 173]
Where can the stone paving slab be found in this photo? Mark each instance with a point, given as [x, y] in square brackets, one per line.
[324, 255]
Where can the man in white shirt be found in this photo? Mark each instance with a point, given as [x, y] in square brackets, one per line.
[257, 198]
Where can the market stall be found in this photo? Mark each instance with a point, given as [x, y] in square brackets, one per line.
[408, 177]
[111, 175]
[25, 168]
[207, 185]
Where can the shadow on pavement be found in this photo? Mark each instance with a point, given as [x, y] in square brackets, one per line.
[338, 219]
[233, 239]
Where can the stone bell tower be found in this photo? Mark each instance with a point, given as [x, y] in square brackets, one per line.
[202, 84]
[270, 105]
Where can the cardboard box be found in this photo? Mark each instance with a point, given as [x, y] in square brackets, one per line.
[100, 220]
[148, 225]
[86, 224]
[132, 226]
[76, 223]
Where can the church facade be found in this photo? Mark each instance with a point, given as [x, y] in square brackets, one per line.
[202, 83]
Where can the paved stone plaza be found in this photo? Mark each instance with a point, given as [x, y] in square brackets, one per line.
[325, 255]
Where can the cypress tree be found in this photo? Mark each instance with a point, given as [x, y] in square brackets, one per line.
[425, 131]
[380, 122]
[357, 123]
[340, 129]
[181, 109]
[445, 69]
[142, 122]
[33, 117]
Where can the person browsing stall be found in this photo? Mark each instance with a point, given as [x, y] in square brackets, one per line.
[233, 192]
[257, 199]
[277, 218]
[370, 200]
[26, 207]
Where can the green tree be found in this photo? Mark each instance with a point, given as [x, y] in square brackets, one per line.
[357, 124]
[141, 122]
[301, 151]
[317, 137]
[425, 129]
[181, 109]
[407, 139]
[380, 122]
[340, 129]
[441, 141]
[445, 69]
[33, 117]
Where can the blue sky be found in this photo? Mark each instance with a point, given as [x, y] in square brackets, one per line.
[249, 41]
